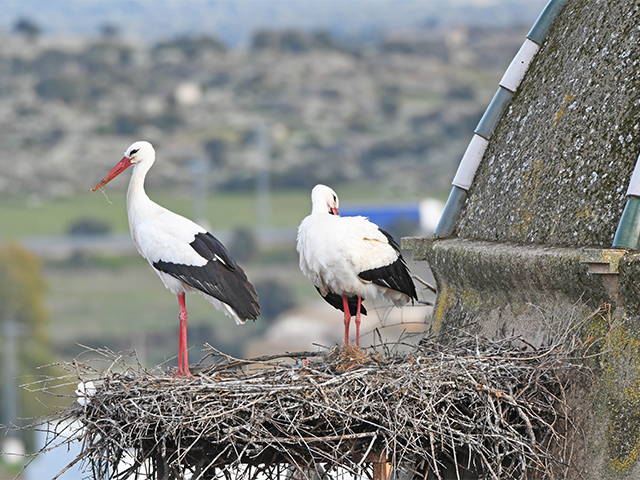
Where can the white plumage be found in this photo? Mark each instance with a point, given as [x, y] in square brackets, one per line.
[185, 256]
[350, 258]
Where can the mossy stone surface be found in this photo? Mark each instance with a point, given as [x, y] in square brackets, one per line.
[557, 168]
[540, 218]
[501, 290]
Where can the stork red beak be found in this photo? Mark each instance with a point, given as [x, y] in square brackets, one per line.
[115, 171]
[335, 212]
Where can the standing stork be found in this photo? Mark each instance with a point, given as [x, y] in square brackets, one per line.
[349, 259]
[185, 256]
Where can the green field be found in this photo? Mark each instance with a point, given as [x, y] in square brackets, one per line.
[19, 218]
[224, 210]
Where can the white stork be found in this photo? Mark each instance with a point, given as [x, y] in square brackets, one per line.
[185, 256]
[349, 259]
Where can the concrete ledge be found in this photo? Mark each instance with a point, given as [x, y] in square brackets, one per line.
[509, 284]
[502, 290]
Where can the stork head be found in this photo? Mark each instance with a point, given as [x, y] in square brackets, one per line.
[324, 200]
[136, 153]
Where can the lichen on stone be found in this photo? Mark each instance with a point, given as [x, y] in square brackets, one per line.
[557, 168]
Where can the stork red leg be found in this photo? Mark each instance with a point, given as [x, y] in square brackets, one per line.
[180, 346]
[183, 361]
[358, 322]
[347, 319]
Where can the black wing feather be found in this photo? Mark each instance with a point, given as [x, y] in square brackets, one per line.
[395, 276]
[335, 301]
[221, 277]
[210, 247]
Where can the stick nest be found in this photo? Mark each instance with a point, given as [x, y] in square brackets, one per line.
[493, 408]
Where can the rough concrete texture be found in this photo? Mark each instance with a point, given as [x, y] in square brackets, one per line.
[558, 166]
[495, 288]
[502, 290]
[531, 252]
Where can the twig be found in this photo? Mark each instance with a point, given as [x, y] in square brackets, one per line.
[437, 401]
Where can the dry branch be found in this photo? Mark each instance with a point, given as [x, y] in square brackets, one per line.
[495, 408]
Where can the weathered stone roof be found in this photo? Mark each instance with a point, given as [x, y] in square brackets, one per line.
[558, 165]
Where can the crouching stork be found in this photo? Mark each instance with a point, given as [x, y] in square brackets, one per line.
[349, 259]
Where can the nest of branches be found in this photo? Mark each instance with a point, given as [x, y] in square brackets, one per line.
[495, 408]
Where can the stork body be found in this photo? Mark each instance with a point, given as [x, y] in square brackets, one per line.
[349, 259]
[187, 258]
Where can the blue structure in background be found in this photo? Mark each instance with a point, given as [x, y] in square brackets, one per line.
[385, 216]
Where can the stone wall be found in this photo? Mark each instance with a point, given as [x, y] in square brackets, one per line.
[531, 251]
[558, 166]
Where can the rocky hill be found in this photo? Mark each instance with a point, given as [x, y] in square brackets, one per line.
[333, 112]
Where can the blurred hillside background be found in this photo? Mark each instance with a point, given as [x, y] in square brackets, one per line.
[249, 104]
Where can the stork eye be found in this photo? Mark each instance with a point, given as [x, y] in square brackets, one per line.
[134, 151]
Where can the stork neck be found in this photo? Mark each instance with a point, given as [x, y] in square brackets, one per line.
[136, 196]
[320, 209]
